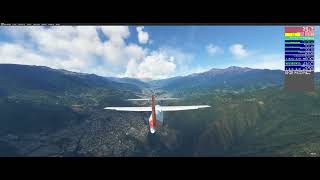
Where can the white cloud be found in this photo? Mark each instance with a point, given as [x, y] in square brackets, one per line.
[116, 34]
[116, 51]
[143, 36]
[135, 51]
[80, 49]
[180, 57]
[17, 54]
[71, 48]
[157, 65]
[132, 69]
[238, 50]
[213, 49]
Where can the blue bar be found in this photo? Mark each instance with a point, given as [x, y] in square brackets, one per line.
[300, 53]
[299, 59]
[299, 45]
[297, 67]
[302, 61]
[300, 41]
[299, 50]
[293, 49]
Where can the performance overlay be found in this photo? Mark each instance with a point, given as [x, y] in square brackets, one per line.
[299, 58]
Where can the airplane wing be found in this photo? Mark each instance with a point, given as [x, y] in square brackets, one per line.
[129, 108]
[181, 108]
[161, 108]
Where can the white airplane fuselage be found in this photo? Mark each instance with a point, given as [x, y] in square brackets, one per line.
[153, 123]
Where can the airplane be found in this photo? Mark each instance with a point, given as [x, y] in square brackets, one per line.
[156, 117]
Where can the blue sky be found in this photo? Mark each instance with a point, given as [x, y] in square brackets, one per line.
[149, 52]
[195, 39]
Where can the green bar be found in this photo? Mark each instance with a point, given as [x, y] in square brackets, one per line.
[293, 63]
[299, 38]
[292, 42]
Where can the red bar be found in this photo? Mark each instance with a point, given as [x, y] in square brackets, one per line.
[293, 29]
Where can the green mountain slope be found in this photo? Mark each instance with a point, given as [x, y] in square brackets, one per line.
[268, 122]
[39, 100]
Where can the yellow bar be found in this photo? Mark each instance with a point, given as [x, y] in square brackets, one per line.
[292, 34]
[288, 34]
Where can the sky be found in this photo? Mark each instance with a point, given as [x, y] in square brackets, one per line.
[144, 52]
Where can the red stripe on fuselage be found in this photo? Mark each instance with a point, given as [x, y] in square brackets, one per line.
[151, 122]
[153, 115]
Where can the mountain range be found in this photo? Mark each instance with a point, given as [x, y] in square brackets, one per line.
[231, 78]
[53, 80]
[20, 77]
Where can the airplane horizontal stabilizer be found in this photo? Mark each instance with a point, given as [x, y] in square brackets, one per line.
[181, 108]
[129, 108]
